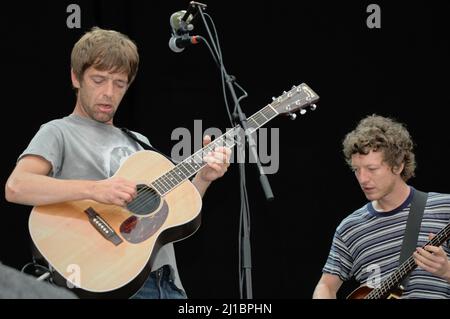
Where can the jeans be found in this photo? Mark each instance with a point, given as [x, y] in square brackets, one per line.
[159, 285]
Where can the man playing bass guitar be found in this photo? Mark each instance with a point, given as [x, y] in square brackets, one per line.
[367, 243]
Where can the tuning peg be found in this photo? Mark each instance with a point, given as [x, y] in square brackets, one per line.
[292, 116]
[302, 111]
[313, 107]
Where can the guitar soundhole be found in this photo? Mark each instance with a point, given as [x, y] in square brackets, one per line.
[146, 202]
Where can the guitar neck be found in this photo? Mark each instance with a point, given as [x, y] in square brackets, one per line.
[191, 165]
[297, 98]
[394, 280]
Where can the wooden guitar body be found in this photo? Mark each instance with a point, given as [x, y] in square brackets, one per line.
[65, 237]
[364, 291]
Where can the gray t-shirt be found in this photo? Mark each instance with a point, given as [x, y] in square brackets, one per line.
[81, 148]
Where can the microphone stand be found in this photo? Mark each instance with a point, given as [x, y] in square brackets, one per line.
[245, 249]
[239, 115]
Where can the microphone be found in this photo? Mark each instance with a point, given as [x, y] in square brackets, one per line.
[181, 25]
[178, 43]
[180, 22]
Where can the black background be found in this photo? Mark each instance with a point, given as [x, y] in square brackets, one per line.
[400, 70]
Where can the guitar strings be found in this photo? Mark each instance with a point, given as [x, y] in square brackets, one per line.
[255, 121]
[391, 280]
[397, 276]
[147, 194]
[164, 181]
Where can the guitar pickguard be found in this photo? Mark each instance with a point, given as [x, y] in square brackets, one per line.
[138, 229]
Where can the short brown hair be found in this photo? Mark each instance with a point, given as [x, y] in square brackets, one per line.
[105, 50]
[375, 133]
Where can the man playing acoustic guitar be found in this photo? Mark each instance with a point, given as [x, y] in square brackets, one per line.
[76, 158]
[367, 244]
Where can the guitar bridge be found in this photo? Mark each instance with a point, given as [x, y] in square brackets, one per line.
[102, 227]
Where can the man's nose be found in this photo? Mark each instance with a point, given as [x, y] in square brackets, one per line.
[109, 89]
[362, 177]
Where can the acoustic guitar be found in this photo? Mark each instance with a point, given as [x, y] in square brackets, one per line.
[107, 251]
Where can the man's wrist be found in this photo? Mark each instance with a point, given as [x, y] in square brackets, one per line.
[447, 273]
[201, 184]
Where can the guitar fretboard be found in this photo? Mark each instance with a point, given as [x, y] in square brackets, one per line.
[191, 165]
[405, 268]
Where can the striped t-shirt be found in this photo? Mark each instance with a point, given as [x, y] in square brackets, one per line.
[367, 246]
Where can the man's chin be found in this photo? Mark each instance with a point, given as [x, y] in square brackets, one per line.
[371, 196]
[103, 118]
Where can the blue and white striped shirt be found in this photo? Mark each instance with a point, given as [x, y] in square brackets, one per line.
[367, 246]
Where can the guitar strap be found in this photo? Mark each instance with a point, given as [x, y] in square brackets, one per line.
[415, 215]
[144, 145]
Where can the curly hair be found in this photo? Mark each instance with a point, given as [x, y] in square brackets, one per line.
[375, 133]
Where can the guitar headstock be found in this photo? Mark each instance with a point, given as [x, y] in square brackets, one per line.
[298, 98]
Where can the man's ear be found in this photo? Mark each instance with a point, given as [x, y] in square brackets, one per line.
[398, 169]
[75, 81]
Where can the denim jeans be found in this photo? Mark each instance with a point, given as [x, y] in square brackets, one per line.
[159, 285]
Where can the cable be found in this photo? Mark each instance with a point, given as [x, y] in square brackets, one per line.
[221, 59]
[210, 49]
[44, 276]
[35, 265]
[244, 217]
[218, 58]
[217, 55]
